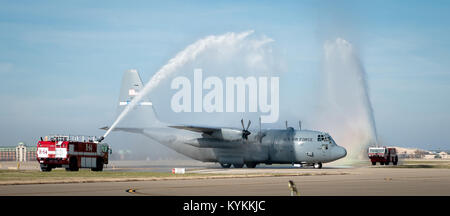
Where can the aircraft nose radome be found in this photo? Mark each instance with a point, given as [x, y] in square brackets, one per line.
[343, 152]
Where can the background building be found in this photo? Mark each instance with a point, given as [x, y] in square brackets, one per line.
[21, 152]
[444, 155]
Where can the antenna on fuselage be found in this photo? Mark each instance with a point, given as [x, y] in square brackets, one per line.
[260, 125]
[260, 135]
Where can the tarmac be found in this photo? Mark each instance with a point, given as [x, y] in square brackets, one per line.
[329, 181]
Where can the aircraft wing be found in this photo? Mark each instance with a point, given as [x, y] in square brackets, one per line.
[199, 129]
[227, 134]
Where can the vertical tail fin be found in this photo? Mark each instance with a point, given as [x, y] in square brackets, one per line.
[143, 115]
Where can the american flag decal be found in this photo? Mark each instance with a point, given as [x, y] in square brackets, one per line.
[132, 92]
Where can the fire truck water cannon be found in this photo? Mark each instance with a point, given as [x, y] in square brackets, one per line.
[101, 139]
[72, 152]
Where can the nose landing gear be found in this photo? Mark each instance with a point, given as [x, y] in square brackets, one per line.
[318, 165]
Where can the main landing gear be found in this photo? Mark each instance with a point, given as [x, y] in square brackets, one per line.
[248, 164]
[317, 165]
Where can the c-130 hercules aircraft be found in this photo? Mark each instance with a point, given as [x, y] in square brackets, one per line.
[227, 146]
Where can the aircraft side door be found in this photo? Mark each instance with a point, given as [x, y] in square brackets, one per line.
[283, 149]
[271, 150]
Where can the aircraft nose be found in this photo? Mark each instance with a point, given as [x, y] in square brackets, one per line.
[342, 152]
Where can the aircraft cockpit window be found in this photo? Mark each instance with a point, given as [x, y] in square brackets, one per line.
[322, 137]
[332, 142]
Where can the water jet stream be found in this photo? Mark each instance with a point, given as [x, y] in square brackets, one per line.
[187, 55]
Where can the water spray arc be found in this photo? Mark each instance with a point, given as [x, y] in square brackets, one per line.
[187, 55]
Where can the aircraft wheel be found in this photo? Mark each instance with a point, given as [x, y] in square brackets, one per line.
[250, 164]
[238, 165]
[318, 165]
[374, 163]
[224, 165]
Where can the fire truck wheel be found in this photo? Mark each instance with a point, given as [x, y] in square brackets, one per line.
[395, 160]
[45, 168]
[99, 165]
[73, 164]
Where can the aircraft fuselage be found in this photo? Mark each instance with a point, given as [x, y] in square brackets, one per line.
[268, 146]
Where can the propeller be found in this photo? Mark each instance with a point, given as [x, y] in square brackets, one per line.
[245, 131]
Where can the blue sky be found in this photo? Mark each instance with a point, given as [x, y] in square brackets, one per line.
[61, 62]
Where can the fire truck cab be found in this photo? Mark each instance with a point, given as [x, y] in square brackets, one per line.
[72, 153]
[384, 155]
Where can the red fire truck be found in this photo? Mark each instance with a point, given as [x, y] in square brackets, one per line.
[72, 153]
[384, 155]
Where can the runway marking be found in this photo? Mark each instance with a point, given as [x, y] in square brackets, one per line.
[130, 190]
[134, 191]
